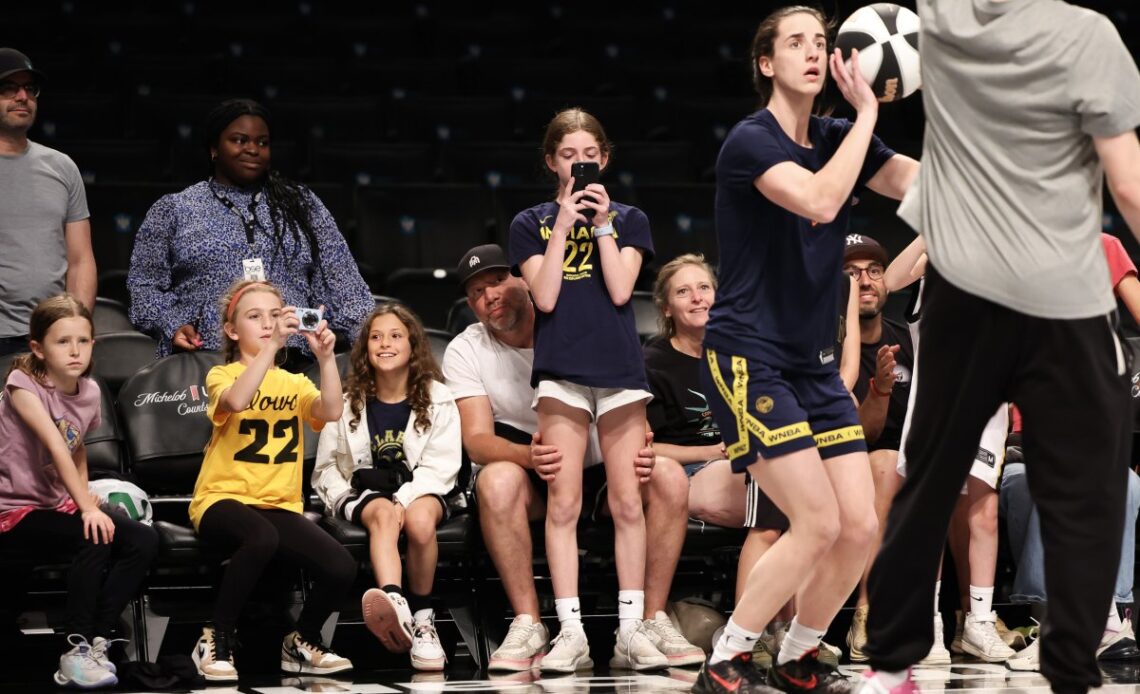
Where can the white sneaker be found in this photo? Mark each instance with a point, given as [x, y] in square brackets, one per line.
[938, 654]
[99, 648]
[1120, 645]
[305, 656]
[981, 640]
[569, 652]
[523, 647]
[1027, 659]
[668, 641]
[427, 651]
[871, 683]
[634, 650]
[79, 668]
[389, 618]
[213, 656]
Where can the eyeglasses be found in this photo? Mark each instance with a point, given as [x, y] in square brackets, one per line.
[874, 271]
[9, 90]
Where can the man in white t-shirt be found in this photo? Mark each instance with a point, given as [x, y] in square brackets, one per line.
[487, 367]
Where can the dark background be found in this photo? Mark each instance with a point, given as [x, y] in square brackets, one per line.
[418, 124]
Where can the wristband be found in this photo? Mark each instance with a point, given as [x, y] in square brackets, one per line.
[876, 391]
[606, 230]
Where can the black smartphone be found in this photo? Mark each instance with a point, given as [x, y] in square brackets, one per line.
[584, 173]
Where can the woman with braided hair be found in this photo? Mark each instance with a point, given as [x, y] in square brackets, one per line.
[246, 221]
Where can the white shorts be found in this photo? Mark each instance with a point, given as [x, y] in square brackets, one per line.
[989, 459]
[595, 401]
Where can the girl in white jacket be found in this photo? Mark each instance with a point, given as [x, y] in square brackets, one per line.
[388, 465]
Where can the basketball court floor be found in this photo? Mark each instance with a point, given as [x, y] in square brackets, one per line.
[976, 678]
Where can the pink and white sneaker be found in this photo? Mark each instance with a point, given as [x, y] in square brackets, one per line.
[872, 683]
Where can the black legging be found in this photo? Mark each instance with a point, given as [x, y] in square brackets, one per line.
[258, 535]
[103, 577]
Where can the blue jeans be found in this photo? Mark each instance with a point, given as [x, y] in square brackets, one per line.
[1024, 529]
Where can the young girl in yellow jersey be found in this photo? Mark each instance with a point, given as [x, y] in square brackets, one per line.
[388, 465]
[248, 494]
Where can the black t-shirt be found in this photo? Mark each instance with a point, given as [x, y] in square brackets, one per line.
[386, 424]
[892, 334]
[778, 272]
[586, 339]
[678, 414]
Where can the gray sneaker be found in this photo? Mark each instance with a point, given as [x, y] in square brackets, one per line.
[569, 652]
[635, 651]
[523, 647]
[666, 639]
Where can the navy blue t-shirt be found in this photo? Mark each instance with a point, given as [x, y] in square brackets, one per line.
[386, 424]
[586, 339]
[778, 275]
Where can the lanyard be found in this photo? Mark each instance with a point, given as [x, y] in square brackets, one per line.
[248, 222]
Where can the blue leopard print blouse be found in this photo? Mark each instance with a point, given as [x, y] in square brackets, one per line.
[190, 248]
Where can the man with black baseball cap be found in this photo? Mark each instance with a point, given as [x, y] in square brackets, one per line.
[886, 358]
[47, 246]
[488, 367]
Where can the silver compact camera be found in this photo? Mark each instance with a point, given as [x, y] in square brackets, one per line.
[309, 318]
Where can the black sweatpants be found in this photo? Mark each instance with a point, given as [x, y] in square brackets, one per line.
[103, 577]
[257, 536]
[1070, 380]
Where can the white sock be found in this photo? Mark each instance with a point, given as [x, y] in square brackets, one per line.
[800, 640]
[937, 594]
[733, 641]
[569, 612]
[425, 615]
[631, 610]
[981, 600]
[889, 679]
[1114, 624]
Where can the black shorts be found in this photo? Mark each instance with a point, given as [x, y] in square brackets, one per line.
[766, 413]
[593, 490]
[368, 496]
[760, 512]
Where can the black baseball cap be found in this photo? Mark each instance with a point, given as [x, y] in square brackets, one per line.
[863, 246]
[13, 61]
[489, 256]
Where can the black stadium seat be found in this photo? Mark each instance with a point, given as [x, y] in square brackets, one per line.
[117, 212]
[681, 219]
[430, 293]
[102, 161]
[110, 316]
[163, 406]
[450, 119]
[496, 163]
[645, 314]
[372, 163]
[459, 316]
[118, 356]
[105, 444]
[336, 120]
[423, 226]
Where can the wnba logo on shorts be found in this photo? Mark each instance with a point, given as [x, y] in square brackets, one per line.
[764, 404]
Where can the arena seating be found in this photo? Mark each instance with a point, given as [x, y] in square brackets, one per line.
[419, 126]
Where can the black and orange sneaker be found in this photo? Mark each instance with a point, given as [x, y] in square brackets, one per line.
[808, 676]
[736, 676]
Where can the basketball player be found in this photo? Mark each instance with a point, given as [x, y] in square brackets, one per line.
[785, 179]
[1029, 103]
